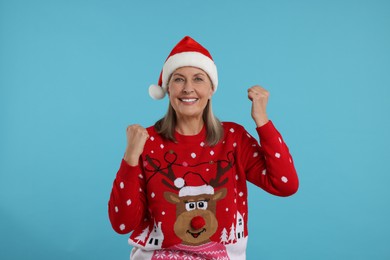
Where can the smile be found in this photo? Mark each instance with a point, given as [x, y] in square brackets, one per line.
[195, 235]
[188, 100]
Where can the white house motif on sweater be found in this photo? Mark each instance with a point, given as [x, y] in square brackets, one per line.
[239, 226]
[156, 237]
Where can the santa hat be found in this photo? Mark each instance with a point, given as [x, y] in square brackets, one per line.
[187, 52]
[192, 184]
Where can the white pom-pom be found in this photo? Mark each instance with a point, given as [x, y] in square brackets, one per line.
[156, 92]
[179, 183]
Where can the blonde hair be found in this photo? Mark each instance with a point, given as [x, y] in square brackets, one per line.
[214, 130]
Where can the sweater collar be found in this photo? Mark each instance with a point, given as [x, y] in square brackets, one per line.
[199, 137]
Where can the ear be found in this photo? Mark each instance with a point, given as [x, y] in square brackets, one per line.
[211, 91]
[171, 197]
[220, 194]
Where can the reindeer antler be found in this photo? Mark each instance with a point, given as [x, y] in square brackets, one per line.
[221, 170]
[170, 157]
[167, 172]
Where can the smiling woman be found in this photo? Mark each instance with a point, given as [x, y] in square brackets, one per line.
[181, 188]
[200, 73]
[189, 91]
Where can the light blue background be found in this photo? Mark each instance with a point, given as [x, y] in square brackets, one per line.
[74, 74]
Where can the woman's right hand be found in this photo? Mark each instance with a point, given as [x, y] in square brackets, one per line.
[136, 139]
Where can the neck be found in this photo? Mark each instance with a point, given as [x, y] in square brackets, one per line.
[190, 126]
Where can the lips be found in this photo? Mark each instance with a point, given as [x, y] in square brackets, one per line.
[195, 235]
[188, 100]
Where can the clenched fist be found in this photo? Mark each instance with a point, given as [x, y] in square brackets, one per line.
[259, 97]
[136, 139]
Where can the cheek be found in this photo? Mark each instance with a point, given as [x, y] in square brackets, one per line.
[172, 88]
[210, 94]
[172, 93]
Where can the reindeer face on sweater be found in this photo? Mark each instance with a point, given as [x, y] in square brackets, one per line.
[195, 216]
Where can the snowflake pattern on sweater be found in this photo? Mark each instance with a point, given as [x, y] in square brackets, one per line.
[210, 250]
[188, 194]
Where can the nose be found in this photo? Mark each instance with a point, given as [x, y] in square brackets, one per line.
[187, 91]
[187, 88]
[198, 222]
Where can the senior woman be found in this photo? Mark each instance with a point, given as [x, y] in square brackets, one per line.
[181, 188]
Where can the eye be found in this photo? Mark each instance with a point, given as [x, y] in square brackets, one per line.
[178, 79]
[201, 204]
[198, 79]
[190, 206]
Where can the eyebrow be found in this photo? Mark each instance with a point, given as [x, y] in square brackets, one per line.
[197, 74]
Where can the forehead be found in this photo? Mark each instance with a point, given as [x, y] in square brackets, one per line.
[189, 71]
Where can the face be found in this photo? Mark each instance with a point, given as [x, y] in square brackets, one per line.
[189, 207]
[189, 90]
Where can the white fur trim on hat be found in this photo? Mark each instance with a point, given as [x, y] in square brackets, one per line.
[192, 59]
[179, 183]
[156, 92]
[196, 190]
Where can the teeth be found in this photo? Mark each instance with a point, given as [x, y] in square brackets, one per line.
[188, 99]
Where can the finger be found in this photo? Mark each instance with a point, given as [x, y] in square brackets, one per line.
[254, 95]
[255, 91]
[258, 89]
[261, 94]
[255, 88]
[251, 95]
[131, 127]
[145, 134]
[251, 90]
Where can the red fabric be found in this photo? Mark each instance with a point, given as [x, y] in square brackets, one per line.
[139, 200]
[187, 44]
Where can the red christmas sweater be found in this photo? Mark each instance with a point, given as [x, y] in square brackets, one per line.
[186, 194]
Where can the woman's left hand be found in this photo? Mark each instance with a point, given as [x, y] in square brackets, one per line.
[259, 97]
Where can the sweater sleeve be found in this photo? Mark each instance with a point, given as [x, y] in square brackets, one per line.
[126, 207]
[270, 165]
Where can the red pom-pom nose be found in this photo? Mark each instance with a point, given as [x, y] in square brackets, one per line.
[197, 222]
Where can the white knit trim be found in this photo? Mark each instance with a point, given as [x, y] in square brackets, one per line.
[196, 190]
[193, 59]
[156, 92]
